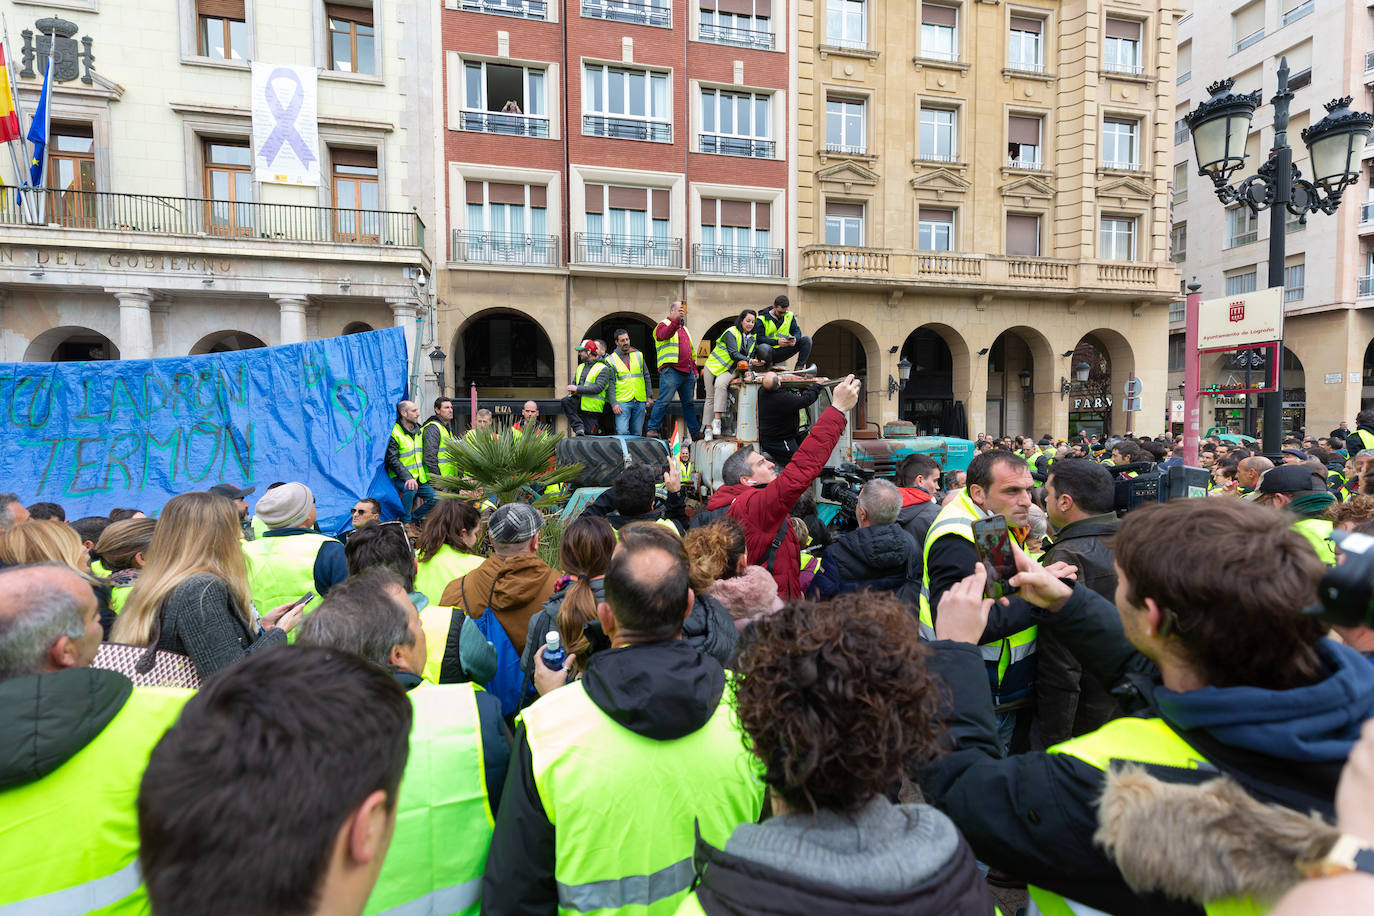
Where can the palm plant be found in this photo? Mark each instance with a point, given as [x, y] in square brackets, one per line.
[506, 466]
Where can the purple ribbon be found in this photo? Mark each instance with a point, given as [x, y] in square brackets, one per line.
[285, 132]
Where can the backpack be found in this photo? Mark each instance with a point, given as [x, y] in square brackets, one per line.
[508, 684]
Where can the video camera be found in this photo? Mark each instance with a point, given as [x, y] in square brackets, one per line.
[1155, 485]
[842, 488]
[1346, 593]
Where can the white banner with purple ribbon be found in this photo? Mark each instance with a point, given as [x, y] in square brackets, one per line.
[286, 143]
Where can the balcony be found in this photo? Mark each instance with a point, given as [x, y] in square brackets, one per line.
[846, 44]
[1298, 12]
[626, 251]
[740, 38]
[737, 262]
[637, 12]
[512, 249]
[522, 9]
[1120, 166]
[1366, 286]
[627, 128]
[725, 145]
[511, 125]
[1014, 162]
[1026, 66]
[1368, 67]
[836, 266]
[844, 149]
[103, 211]
[1123, 68]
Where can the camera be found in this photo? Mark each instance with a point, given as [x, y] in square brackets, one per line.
[843, 490]
[1346, 593]
[1153, 484]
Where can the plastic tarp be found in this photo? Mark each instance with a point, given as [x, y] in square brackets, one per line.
[94, 436]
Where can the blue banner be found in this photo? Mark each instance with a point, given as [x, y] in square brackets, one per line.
[94, 436]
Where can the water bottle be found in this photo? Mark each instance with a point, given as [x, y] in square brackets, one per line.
[554, 653]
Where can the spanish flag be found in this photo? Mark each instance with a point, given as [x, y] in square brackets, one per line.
[9, 118]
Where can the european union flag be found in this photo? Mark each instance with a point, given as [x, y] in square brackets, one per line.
[38, 131]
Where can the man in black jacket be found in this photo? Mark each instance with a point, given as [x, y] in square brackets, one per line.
[1078, 499]
[779, 417]
[877, 555]
[631, 498]
[1232, 677]
[917, 478]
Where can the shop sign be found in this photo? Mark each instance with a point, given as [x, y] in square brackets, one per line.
[1241, 321]
[1176, 410]
[1228, 400]
[1094, 403]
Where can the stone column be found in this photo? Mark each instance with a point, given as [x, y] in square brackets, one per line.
[135, 322]
[404, 312]
[292, 309]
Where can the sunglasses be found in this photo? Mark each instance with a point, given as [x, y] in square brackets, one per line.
[358, 511]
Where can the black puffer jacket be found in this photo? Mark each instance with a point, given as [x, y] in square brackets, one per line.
[878, 557]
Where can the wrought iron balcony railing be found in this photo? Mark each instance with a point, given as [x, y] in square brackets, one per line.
[732, 35]
[724, 145]
[639, 12]
[626, 251]
[738, 262]
[496, 122]
[477, 247]
[524, 9]
[627, 128]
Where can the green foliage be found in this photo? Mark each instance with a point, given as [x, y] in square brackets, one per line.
[551, 539]
[506, 466]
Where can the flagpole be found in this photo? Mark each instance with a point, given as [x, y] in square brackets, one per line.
[20, 174]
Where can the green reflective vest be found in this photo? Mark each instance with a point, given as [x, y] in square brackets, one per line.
[119, 594]
[1010, 661]
[433, 575]
[447, 466]
[69, 840]
[1149, 741]
[1318, 534]
[412, 449]
[590, 372]
[1363, 437]
[629, 378]
[666, 351]
[281, 569]
[443, 815]
[100, 570]
[777, 329]
[582, 760]
[720, 362]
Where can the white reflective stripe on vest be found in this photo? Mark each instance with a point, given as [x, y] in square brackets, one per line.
[82, 898]
[634, 890]
[437, 903]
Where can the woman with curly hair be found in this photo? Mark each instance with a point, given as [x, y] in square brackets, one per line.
[835, 700]
[719, 567]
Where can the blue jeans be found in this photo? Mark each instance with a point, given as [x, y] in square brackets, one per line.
[630, 420]
[682, 384]
[423, 491]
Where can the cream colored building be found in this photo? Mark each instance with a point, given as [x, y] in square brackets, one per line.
[157, 239]
[982, 189]
[1329, 268]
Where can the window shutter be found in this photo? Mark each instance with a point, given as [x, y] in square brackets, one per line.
[1023, 24]
[835, 208]
[763, 216]
[1023, 130]
[930, 214]
[359, 14]
[1249, 20]
[539, 195]
[1123, 28]
[627, 198]
[1299, 58]
[222, 9]
[1185, 57]
[500, 193]
[938, 15]
[360, 158]
[735, 213]
[709, 208]
[596, 198]
[1023, 234]
[659, 201]
[474, 192]
[739, 7]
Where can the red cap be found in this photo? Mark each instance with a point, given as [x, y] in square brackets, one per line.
[588, 345]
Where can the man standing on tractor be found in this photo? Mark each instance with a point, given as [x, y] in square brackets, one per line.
[587, 394]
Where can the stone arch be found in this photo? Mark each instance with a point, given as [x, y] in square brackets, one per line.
[1014, 409]
[939, 358]
[506, 352]
[70, 344]
[1111, 361]
[226, 342]
[357, 327]
[843, 346]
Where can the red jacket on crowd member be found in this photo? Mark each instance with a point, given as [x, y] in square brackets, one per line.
[762, 510]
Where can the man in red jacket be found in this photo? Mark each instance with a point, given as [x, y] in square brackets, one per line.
[761, 499]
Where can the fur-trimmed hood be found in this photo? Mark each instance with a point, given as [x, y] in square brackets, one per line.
[1203, 843]
[748, 596]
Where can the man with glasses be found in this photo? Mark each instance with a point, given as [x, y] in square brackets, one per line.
[364, 512]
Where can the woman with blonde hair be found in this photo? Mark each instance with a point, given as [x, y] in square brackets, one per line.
[192, 595]
[48, 541]
[121, 548]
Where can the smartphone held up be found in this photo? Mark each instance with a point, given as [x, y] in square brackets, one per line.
[992, 540]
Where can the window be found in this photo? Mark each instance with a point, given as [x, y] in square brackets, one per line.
[1293, 10]
[1299, 67]
[844, 223]
[1178, 344]
[935, 230]
[736, 124]
[846, 24]
[1025, 48]
[1240, 282]
[1185, 62]
[355, 195]
[1023, 235]
[938, 142]
[744, 23]
[71, 174]
[229, 185]
[524, 9]
[939, 32]
[1180, 131]
[628, 226]
[1119, 144]
[1178, 243]
[844, 126]
[1180, 182]
[1023, 142]
[503, 99]
[506, 224]
[1242, 227]
[736, 239]
[1121, 48]
[222, 29]
[1247, 25]
[626, 104]
[351, 38]
[640, 12]
[1294, 281]
[1117, 242]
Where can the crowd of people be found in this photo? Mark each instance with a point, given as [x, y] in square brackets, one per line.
[730, 708]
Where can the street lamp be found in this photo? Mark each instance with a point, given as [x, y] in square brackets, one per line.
[1220, 128]
[1025, 376]
[895, 385]
[437, 358]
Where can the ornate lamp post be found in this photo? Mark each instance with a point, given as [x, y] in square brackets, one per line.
[1220, 127]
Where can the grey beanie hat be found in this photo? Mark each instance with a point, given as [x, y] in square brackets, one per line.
[285, 506]
[514, 523]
